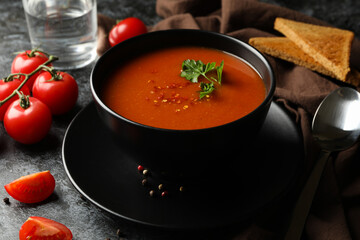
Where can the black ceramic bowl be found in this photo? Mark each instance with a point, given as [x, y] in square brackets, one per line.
[185, 152]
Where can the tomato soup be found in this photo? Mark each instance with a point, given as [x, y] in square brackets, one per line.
[149, 90]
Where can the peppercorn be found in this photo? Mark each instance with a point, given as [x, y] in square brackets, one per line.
[140, 168]
[119, 233]
[145, 172]
[152, 193]
[144, 182]
[6, 200]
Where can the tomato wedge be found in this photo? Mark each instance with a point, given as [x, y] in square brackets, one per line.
[40, 228]
[32, 188]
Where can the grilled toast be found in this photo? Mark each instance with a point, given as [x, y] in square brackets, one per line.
[329, 46]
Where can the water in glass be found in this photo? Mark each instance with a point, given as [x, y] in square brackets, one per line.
[64, 28]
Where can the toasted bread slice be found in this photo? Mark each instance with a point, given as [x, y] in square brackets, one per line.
[329, 46]
[283, 48]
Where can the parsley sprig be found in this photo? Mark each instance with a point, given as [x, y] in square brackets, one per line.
[192, 70]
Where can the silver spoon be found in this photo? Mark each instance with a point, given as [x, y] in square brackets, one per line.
[335, 126]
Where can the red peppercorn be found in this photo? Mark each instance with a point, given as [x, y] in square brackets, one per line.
[140, 168]
[164, 193]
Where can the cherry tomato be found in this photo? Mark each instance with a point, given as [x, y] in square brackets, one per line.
[28, 124]
[59, 94]
[40, 228]
[26, 62]
[6, 88]
[32, 188]
[127, 28]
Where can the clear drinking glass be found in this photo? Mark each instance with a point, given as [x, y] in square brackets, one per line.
[64, 28]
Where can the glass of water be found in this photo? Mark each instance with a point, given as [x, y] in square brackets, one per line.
[64, 28]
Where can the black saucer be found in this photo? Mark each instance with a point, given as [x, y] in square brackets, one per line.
[108, 177]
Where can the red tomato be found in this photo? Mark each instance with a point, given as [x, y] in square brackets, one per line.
[59, 95]
[40, 228]
[28, 125]
[127, 28]
[26, 63]
[32, 188]
[6, 88]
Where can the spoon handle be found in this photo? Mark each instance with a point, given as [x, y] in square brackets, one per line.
[303, 204]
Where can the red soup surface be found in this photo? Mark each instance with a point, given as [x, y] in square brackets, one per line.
[149, 90]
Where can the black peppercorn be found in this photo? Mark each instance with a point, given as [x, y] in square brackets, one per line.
[6, 200]
[119, 233]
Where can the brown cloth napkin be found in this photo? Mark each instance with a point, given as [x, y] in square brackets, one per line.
[335, 213]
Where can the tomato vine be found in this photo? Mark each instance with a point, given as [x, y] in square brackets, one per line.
[51, 58]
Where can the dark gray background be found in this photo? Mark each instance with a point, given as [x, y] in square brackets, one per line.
[84, 219]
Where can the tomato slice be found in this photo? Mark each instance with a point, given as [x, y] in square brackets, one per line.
[32, 188]
[40, 228]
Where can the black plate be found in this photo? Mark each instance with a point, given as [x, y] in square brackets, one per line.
[108, 177]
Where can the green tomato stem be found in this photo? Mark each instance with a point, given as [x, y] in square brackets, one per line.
[24, 99]
[34, 51]
[55, 76]
[27, 76]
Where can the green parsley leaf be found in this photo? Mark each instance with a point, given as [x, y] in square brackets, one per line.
[209, 67]
[219, 71]
[206, 89]
[192, 70]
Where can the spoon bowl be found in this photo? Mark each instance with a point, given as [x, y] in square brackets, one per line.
[335, 126]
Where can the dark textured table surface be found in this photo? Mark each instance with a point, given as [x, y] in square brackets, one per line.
[66, 205]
